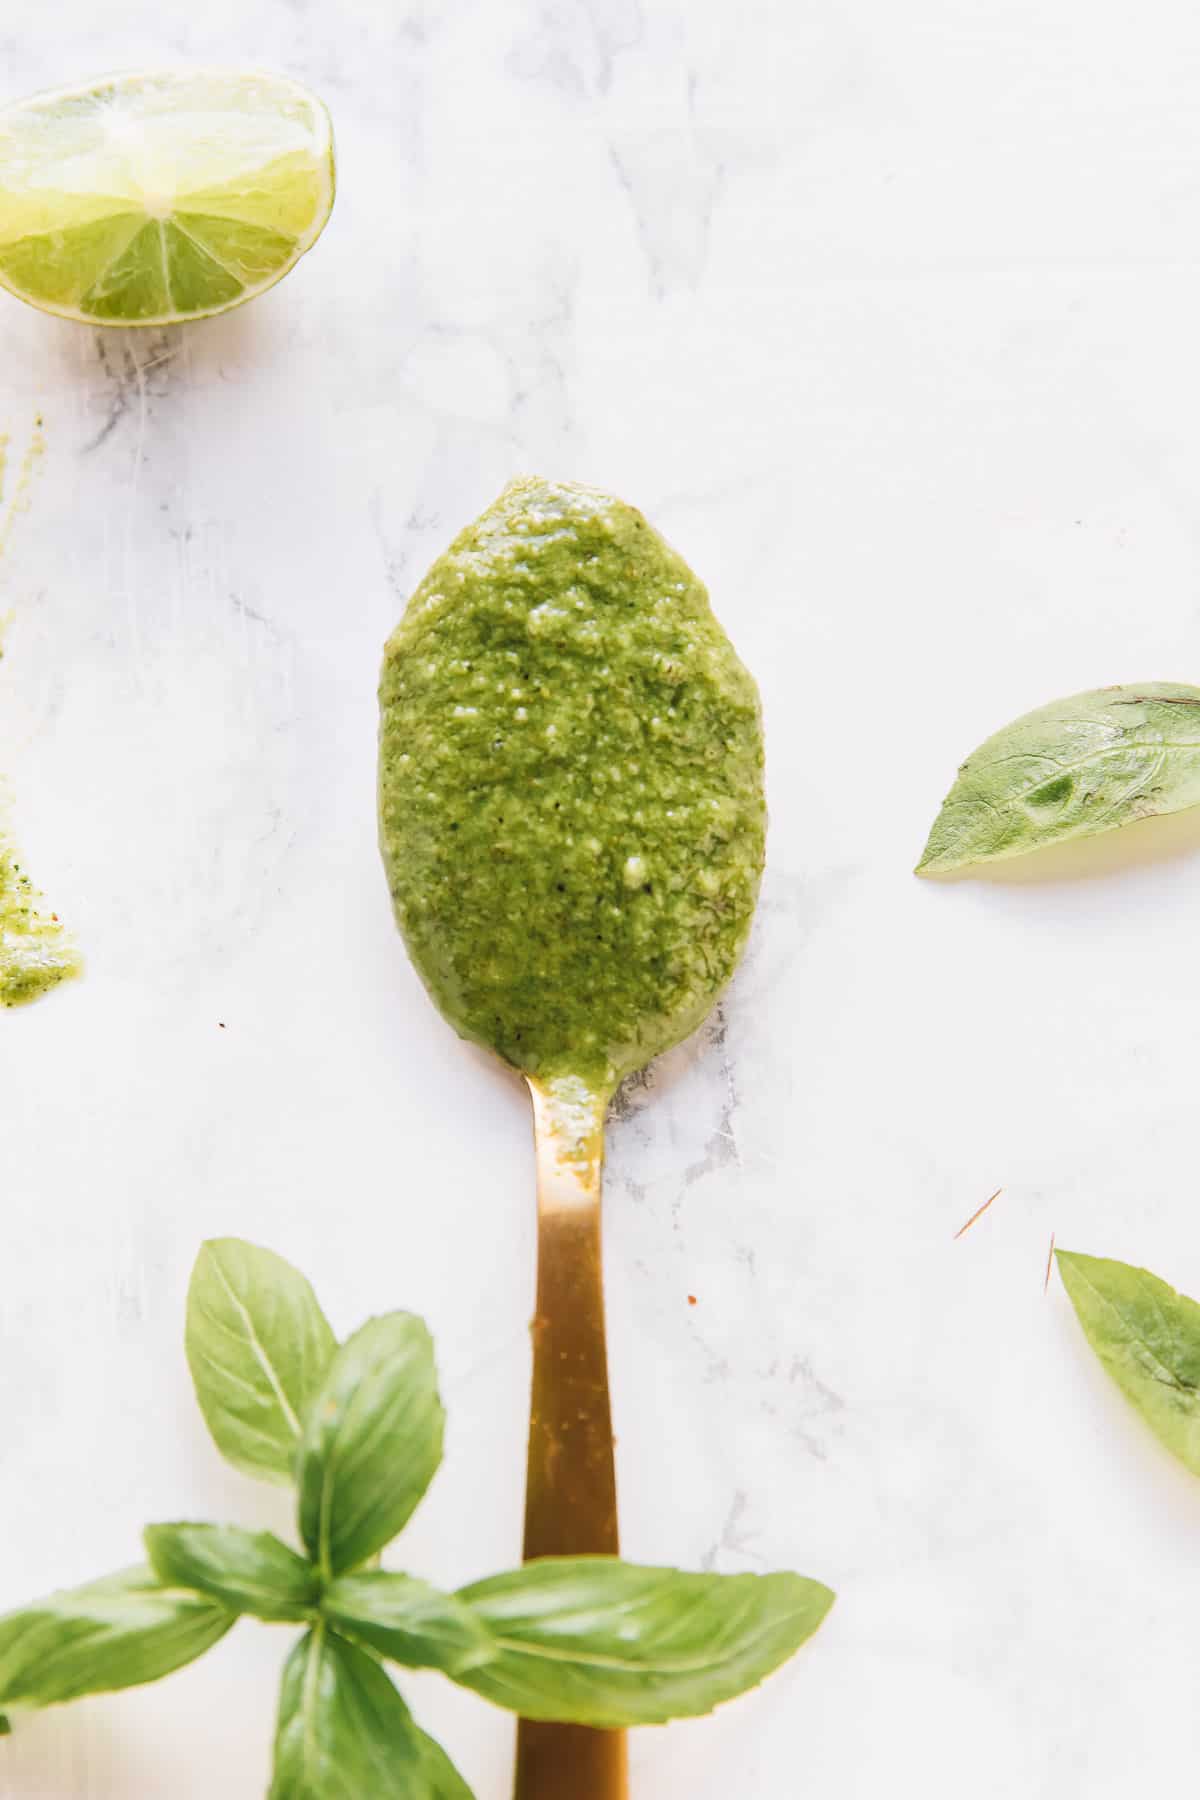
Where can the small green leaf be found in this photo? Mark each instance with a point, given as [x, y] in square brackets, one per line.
[1148, 1338]
[372, 1445]
[601, 1642]
[247, 1571]
[407, 1620]
[1083, 765]
[344, 1733]
[258, 1346]
[116, 1633]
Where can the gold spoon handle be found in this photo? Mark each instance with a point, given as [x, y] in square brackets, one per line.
[570, 1490]
[570, 1762]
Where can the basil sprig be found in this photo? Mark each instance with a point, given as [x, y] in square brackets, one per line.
[1080, 766]
[357, 1429]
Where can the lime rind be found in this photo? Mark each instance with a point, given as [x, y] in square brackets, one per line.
[154, 198]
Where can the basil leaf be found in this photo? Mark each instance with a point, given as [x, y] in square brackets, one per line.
[373, 1442]
[258, 1346]
[247, 1571]
[1148, 1338]
[115, 1633]
[601, 1642]
[345, 1733]
[407, 1620]
[1083, 765]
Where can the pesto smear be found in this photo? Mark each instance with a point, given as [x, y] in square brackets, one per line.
[35, 951]
[571, 786]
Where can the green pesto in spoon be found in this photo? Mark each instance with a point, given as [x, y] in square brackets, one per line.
[572, 821]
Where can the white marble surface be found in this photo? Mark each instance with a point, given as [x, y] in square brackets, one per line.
[886, 315]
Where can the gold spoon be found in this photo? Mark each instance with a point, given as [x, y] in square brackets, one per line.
[572, 821]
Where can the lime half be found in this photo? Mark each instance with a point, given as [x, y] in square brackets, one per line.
[147, 198]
